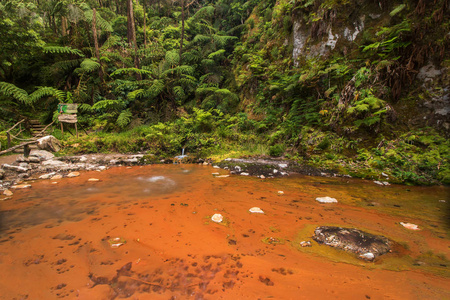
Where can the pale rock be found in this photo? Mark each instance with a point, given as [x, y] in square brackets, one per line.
[245, 174]
[217, 218]
[41, 154]
[47, 176]
[54, 182]
[280, 193]
[54, 164]
[83, 159]
[275, 171]
[101, 168]
[21, 186]
[410, 226]
[378, 182]
[256, 210]
[367, 256]
[56, 177]
[205, 163]
[384, 174]
[305, 244]
[262, 177]
[49, 143]
[15, 168]
[216, 167]
[93, 179]
[326, 200]
[7, 193]
[222, 176]
[73, 174]
[238, 168]
[215, 174]
[283, 165]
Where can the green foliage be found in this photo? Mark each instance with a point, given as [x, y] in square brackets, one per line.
[9, 89]
[62, 50]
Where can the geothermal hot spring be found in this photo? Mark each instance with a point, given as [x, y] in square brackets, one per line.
[146, 233]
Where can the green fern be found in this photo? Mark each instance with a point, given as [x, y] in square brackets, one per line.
[44, 91]
[179, 92]
[130, 71]
[62, 50]
[135, 94]
[101, 23]
[9, 89]
[124, 118]
[108, 105]
[172, 57]
[85, 107]
[89, 65]
[217, 54]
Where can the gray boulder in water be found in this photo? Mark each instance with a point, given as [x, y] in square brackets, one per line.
[366, 245]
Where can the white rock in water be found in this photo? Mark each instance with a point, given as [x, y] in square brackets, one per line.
[283, 166]
[83, 159]
[73, 174]
[244, 174]
[47, 176]
[222, 176]
[101, 168]
[410, 226]
[215, 174]
[93, 179]
[217, 218]
[305, 244]
[256, 210]
[216, 167]
[280, 193]
[386, 183]
[21, 186]
[7, 193]
[262, 177]
[368, 256]
[326, 200]
[56, 177]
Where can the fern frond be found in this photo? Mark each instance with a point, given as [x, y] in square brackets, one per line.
[62, 50]
[216, 54]
[223, 40]
[101, 23]
[108, 105]
[66, 65]
[201, 39]
[130, 71]
[172, 57]
[44, 91]
[124, 118]
[156, 88]
[89, 65]
[9, 89]
[179, 92]
[204, 13]
[85, 107]
[135, 94]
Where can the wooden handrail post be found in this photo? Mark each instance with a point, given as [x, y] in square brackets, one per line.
[8, 135]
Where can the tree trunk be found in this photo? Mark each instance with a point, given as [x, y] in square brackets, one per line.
[132, 35]
[97, 52]
[145, 24]
[182, 30]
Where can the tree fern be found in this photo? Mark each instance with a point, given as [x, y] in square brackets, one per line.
[84, 107]
[156, 88]
[102, 23]
[62, 50]
[204, 13]
[179, 92]
[9, 89]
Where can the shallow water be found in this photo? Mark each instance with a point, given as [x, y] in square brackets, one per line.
[55, 239]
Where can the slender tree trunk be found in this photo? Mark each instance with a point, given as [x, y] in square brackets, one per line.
[132, 36]
[145, 24]
[182, 29]
[97, 52]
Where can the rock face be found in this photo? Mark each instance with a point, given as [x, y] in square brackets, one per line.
[366, 245]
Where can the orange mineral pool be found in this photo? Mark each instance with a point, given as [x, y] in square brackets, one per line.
[148, 233]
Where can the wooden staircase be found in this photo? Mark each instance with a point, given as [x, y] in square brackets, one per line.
[36, 129]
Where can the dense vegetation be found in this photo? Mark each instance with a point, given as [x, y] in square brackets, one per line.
[219, 78]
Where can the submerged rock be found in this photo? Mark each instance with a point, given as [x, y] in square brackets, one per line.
[366, 245]
[410, 226]
[326, 200]
[256, 210]
[217, 218]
